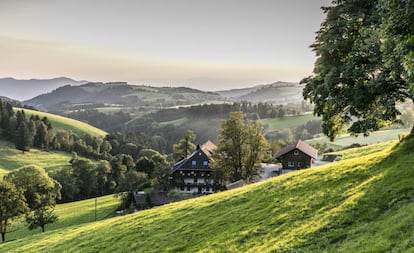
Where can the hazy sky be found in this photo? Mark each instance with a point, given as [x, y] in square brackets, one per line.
[208, 44]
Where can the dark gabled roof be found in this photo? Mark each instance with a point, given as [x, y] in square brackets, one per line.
[300, 145]
[199, 155]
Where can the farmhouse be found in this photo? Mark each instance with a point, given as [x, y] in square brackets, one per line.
[296, 156]
[193, 173]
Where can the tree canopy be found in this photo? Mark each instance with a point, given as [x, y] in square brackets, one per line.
[12, 204]
[241, 146]
[40, 192]
[362, 70]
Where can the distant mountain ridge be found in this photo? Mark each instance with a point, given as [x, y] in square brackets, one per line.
[26, 89]
[276, 93]
[119, 94]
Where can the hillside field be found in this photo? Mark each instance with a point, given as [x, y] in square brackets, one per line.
[362, 204]
[71, 214]
[11, 158]
[63, 123]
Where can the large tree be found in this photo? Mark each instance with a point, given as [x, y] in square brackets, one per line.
[12, 204]
[241, 146]
[185, 146]
[40, 191]
[353, 85]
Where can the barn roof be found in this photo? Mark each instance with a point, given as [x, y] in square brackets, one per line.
[200, 155]
[300, 145]
[208, 147]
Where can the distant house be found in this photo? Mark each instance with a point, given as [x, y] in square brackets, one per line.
[296, 156]
[193, 173]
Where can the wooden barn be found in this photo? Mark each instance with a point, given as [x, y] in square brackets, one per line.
[297, 156]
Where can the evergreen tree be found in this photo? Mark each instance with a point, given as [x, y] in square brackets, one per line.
[185, 146]
[23, 138]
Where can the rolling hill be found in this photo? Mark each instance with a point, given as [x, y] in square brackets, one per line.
[363, 204]
[63, 123]
[118, 94]
[27, 89]
[276, 93]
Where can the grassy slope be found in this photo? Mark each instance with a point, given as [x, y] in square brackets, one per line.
[287, 122]
[11, 158]
[71, 214]
[363, 204]
[59, 122]
[375, 137]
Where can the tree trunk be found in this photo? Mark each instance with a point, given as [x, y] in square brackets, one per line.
[43, 228]
[412, 131]
[3, 236]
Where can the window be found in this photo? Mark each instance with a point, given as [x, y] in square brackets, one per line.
[195, 180]
[296, 152]
[193, 163]
[299, 164]
[291, 164]
[205, 163]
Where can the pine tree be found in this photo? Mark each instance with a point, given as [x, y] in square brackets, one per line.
[23, 138]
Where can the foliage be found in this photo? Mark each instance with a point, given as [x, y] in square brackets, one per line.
[40, 192]
[353, 83]
[12, 204]
[240, 148]
[185, 146]
[355, 205]
[41, 217]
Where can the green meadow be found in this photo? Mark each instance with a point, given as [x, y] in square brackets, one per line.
[11, 158]
[287, 122]
[361, 204]
[71, 214]
[63, 123]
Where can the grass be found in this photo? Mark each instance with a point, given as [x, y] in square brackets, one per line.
[286, 122]
[71, 214]
[11, 158]
[375, 137]
[362, 204]
[63, 123]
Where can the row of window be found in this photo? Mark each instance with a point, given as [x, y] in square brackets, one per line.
[194, 163]
[292, 164]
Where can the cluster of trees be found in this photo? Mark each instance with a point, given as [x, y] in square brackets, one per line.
[122, 173]
[364, 66]
[31, 192]
[105, 121]
[252, 110]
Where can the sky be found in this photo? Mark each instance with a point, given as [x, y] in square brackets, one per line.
[204, 44]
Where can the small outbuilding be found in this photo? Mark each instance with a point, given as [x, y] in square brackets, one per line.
[297, 156]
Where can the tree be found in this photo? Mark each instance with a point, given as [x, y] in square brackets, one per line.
[241, 146]
[12, 204]
[352, 83]
[41, 138]
[85, 172]
[398, 36]
[23, 138]
[104, 170]
[185, 146]
[132, 181]
[40, 191]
